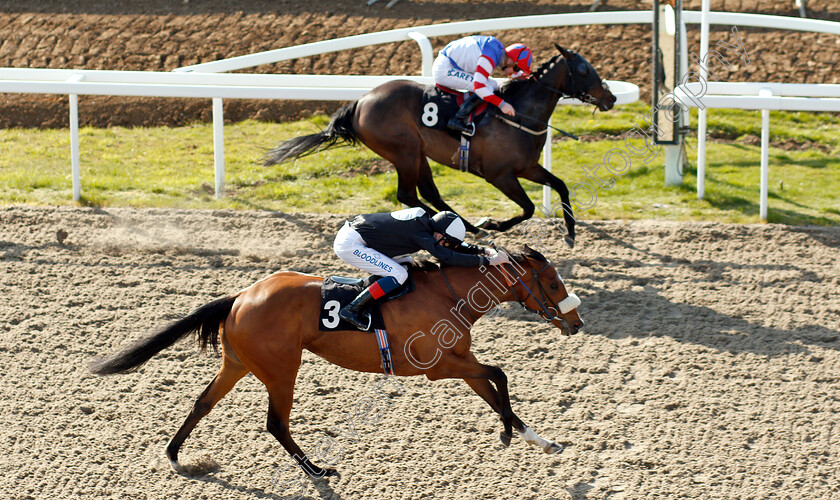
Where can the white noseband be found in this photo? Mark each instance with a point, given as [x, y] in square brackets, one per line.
[569, 303]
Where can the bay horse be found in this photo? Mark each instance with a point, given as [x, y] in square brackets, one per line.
[388, 120]
[264, 328]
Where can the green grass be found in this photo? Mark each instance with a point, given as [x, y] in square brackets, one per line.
[173, 167]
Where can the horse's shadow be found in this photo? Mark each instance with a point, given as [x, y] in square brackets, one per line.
[820, 234]
[640, 309]
[322, 487]
[620, 314]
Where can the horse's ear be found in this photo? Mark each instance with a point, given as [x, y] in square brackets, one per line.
[566, 53]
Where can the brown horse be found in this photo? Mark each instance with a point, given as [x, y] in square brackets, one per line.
[266, 326]
[388, 121]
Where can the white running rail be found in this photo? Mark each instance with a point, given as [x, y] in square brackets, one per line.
[706, 17]
[205, 80]
[764, 97]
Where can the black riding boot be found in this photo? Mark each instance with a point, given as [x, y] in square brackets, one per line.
[459, 121]
[351, 311]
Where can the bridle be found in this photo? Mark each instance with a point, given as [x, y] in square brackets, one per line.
[582, 94]
[545, 310]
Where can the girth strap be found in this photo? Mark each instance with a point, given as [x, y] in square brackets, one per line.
[464, 154]
[384, 350]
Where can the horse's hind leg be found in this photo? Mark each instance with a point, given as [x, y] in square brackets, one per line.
[429, 191]
[279, 378]
[230, 373]
[281, 395]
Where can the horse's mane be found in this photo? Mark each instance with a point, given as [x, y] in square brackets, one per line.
[525, 253]
[514, 87]
[520, 256]
[424, 265]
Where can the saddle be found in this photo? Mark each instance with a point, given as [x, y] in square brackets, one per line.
[337, 291]
[440, 103]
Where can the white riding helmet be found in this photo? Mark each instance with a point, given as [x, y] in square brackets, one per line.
[450, 225]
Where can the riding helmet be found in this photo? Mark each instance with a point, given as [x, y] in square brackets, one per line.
[521, 56]
[449, 224]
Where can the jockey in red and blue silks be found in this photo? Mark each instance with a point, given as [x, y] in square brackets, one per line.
[467, 63]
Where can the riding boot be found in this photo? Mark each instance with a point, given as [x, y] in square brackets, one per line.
[459, 121]
[353, 311]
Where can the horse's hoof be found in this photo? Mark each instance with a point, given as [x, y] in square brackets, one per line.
[331, 473]
[554, 448]
[481, 234]
[322, 473]
[570, 240]
[505, 438]
[176, 466]
[483, 222]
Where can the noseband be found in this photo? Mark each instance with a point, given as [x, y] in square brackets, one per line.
[545, 312]
[582, 94]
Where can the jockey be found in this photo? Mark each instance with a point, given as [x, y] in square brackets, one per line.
[380, 243]
[467, 63]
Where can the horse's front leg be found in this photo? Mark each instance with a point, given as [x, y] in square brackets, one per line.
[540, 175]
[484, 389]
[509, 185]
[479, 377]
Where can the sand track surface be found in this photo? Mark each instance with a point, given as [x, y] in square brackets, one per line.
[708, 368]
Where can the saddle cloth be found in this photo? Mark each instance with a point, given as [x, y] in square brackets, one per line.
[338, 291]
[441, 103]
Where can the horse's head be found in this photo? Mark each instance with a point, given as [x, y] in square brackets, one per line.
[582, 82]
[540, 289]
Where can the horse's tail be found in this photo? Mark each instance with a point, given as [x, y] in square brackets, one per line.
[205, 321]
[339, 130]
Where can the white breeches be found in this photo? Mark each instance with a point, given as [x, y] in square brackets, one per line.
[351, 248]
[448, 76]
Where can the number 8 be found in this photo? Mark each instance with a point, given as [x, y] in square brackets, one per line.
[430, 114]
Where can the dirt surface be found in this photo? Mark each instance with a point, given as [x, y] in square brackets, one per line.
[709, 367]
[161, 35]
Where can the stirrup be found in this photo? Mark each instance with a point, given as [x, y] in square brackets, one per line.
[355, 320]
[465, 129]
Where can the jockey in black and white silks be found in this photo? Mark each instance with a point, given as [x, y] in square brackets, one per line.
[380, 243]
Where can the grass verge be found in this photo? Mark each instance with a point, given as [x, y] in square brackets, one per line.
[173, 167]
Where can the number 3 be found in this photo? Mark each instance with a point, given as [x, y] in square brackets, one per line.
[430, 114]
[332, 307]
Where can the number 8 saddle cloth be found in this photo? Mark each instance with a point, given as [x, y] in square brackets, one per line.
[440, 103]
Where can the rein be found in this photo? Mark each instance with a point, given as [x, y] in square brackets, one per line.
[545, 314]
[523, 127]
[452, 292]
[578, 94]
